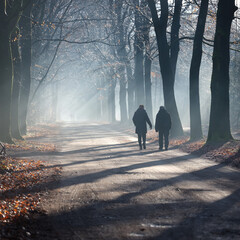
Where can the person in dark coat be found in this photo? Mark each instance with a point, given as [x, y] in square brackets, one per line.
[140, 120]
[162, 126]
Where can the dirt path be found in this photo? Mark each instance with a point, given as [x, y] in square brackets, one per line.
[111, 190]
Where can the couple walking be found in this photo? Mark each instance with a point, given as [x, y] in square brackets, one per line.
[162, 126]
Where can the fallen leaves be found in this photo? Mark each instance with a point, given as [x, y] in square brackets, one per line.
[228, 152]
[11, 209]
[22, 181]
[17, 179]
[26, 145]
[225, 152]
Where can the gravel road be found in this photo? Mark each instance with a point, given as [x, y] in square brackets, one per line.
[111, 190]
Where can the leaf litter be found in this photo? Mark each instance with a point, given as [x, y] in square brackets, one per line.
[227, 152]
[20, 186]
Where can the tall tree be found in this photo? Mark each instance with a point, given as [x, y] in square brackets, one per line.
[146, 26]
[147, 73]
[195, 114]
[26, 46]
[9, 16]
[122, 57]
[219, 126]
[15, 132]
[160, 26]
[139, 57]
[174, 50]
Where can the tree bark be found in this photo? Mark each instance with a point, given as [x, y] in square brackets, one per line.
[147, 58]
[175, 35]
[111, 97]
[123, 94]
[219, 126]
[15, 132]
[122, 58]
[195, 113]
[160, 26]
[138, 48]
[7, 25]
[131, 84]
[26, 46]
[5, 86]
[148, 83]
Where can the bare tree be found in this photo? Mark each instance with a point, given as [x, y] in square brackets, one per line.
[160, 26]
[195, 115]
[219, 126]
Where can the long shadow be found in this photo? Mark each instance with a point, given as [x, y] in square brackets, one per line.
[92, 177]
[104, 157]
[193, 226]
[184, 230]
[84, 150]
[190, 228]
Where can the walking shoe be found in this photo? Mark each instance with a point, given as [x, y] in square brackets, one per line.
[144, 146]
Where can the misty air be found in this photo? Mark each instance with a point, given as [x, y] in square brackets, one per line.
[119, 119]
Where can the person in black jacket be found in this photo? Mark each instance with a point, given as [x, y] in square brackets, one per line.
[140, 118]
[162, 126]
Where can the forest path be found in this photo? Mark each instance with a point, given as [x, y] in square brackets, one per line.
[111, 190]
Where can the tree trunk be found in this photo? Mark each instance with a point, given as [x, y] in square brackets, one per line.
[131, 83]
[26, 45]
[138, 48]
[219, 126]
[148, 83]
[121, 51]
[195, 114]
[160, 26]
[111, 98]
[7, 25]
[5, 86]
[16, 86]
[123, 95]
[54, 89]
[147, 59]
[175, 35]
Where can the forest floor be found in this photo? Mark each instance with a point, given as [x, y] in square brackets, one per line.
[90, 181]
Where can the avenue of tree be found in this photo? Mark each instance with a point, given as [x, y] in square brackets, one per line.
[105, 56]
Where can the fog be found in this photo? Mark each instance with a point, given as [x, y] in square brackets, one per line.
[78, 82]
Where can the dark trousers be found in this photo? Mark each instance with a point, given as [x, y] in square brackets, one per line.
[161, 134]
[142, 138]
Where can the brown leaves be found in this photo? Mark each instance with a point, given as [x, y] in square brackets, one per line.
[28, 145]
[19, 174]
[228, 152]
[11, 209]
[18, 178]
